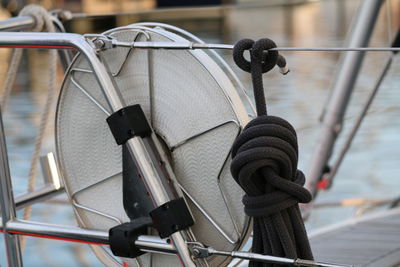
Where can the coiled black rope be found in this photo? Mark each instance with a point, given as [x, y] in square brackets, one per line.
[264, 164]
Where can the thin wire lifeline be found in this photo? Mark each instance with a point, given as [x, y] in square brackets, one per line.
[191, 46]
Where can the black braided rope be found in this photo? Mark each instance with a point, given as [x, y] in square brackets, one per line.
[264, 164]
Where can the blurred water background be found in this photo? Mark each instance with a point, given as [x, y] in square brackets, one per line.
[370, 168]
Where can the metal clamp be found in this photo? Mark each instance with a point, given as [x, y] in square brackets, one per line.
[100, 42]
[171, 217]
[121, 237]
[127, 123]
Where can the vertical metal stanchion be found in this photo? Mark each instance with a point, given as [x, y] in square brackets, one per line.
[361, 32]
[7, 204]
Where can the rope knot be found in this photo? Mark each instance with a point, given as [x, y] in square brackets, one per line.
[264, 164]
[262, 60]
[260, 52]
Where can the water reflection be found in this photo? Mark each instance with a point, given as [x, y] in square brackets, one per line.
[370, 168]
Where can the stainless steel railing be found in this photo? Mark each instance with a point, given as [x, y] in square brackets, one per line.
[136, 145]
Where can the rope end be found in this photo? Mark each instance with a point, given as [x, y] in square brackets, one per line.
[284, 70]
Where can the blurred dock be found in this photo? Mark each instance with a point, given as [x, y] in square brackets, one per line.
[370, 241]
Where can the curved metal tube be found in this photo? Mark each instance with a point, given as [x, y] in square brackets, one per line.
[136, 145]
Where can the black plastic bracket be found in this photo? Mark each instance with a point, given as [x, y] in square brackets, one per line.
[128, 122]
[136, 202]
[171, 217]
[122, 237]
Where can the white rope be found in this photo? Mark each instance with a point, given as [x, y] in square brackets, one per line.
[44, 23]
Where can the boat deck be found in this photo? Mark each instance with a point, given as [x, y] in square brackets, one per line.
[368, 241]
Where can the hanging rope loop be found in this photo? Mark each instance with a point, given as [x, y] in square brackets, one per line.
[259, 50]
[264, 164]
[262, 61]
[238, 54]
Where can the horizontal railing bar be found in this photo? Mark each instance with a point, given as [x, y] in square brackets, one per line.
[17, 23]
[76, 234]
[52, 231]
[42, 194]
